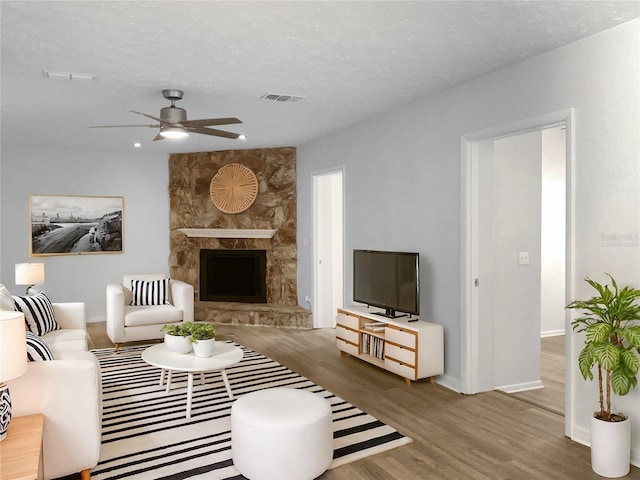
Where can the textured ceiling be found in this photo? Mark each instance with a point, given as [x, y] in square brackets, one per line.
[350, 60]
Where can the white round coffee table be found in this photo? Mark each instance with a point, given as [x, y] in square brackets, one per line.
[224, 356]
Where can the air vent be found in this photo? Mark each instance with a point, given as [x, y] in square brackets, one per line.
[69, 75]
[281, 98]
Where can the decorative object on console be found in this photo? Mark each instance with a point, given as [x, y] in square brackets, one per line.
[13, 361]
[38, 313]
[60, 225]
[234, 188]
[610, 322]
[29, 274]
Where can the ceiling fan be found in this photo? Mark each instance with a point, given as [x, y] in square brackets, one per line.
[174, 124]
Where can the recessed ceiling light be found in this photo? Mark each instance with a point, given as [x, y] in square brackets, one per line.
[242, 137]
[137, 144]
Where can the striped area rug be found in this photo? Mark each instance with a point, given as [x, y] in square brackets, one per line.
[145, 434]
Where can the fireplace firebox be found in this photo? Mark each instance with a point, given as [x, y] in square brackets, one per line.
[233, 276]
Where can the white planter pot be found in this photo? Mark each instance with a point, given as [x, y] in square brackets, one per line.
[203, 348]
[177, 344]
[610, 448]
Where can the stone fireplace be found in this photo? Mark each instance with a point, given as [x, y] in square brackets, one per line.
[269, 225]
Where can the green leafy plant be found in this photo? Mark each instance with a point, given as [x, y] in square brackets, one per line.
[178, 330]
[612, 341]
[201, 331]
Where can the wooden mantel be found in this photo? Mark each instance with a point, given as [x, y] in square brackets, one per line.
[228, 232]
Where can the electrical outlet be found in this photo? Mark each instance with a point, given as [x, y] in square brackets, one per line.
[307, 298]
[523, 258]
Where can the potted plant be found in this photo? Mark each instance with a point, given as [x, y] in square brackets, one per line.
[203, 337]
[176, 337]
[612, 345]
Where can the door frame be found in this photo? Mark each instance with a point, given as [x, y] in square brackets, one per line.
[315, 300]
[469, 144]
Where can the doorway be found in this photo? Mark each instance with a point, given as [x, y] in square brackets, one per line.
[328, 244]
[502, 262]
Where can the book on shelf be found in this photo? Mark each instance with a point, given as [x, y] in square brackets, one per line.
[371, 345]
[374, 326]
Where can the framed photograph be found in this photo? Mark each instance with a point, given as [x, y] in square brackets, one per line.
[72, 225]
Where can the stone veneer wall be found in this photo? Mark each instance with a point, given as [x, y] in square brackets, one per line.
[190, 177]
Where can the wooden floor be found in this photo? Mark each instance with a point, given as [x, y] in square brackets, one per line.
[489, 436]
[552, 376]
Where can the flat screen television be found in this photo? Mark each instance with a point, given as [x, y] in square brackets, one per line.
[389, 280]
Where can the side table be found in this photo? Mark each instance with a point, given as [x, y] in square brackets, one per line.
[21, 451]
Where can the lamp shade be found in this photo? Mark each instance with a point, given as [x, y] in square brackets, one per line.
[13, 345]
[29, 273]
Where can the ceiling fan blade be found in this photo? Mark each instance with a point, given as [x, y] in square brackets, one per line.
[211, 121]
[118, 126]
[158, 137]
[213, 131]
[157, 119]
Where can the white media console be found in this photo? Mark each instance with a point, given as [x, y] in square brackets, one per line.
[411, 349]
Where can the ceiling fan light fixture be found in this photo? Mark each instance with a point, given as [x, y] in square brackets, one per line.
[173, 132]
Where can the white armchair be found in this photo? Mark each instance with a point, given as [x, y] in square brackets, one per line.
[128, 323]
[68, 392]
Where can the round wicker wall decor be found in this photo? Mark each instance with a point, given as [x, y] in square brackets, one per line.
[234, 188]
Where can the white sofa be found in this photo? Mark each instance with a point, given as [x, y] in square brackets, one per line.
[127, 323]
[68, 392]
[72, 335]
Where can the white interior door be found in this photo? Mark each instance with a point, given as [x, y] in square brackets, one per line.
[494, 336]
[515, 226]
[328, 248]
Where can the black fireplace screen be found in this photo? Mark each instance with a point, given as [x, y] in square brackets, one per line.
[233, 276]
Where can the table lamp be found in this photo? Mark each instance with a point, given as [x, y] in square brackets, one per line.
[29, 274]
[13, 360]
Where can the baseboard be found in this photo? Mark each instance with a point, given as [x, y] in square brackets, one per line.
[521, 387]
[581, 435]
[552, 333]
[448, 382]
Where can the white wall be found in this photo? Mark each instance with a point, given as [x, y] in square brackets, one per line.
[143, 182]
[402, 180]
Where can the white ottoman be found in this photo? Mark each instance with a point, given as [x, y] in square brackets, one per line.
[281, 434]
